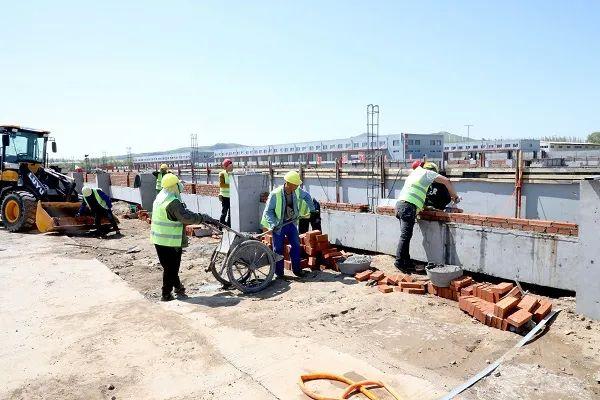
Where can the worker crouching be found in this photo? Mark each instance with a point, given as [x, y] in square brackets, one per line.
[169, 215]
[98, 204]
[281, 215]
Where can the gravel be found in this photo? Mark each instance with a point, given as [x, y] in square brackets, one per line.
[358, 259]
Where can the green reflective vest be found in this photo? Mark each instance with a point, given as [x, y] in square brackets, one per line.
[99, 199]
[298, 212]
[164, 231]
[304, 211]
[415, 188]
[224, 191]
[159, 180]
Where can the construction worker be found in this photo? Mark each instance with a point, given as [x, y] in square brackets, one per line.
[97, 203]
[411, 200]
[169, 215]
[224, 179]
[164, 169]
[281, 215]
[309, 219]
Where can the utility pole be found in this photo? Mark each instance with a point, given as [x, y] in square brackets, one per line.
[469, 130]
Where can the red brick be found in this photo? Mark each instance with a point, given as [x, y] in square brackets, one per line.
[409, 285]
[407, 278]
[544, 309]
[363, 276]
[519, 318]
[323, 238]
[385, 288]
[393, 280]
[311, 251]
[505, 306]
[377, 276]
[514, 292]
[461, 282]
[467, 291]
[504, 325]
[528, 303]
[414, 290]
[502, 288]
[312, 262]
[431, 289]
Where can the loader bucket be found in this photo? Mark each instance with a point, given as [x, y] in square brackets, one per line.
[60, 217]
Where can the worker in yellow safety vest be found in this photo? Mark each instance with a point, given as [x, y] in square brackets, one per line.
[281, 215]
[411, 201]
[169, 215]
[97, 203]
[164, 169]
[309, 219]
[224, 191]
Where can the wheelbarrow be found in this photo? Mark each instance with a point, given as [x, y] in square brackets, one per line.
[241, 260]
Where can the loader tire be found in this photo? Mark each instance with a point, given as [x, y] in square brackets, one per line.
[18, 211]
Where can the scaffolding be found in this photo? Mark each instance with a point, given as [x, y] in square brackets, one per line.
[129, 159]
[194, 154]
[372, 156]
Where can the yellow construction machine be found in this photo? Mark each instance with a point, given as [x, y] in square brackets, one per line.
[31, 193]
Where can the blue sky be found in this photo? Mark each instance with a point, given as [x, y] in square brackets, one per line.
[106, 75]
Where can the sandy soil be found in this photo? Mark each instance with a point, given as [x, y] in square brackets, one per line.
[423, 336]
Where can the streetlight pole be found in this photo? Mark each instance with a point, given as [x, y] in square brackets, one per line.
[469, 130]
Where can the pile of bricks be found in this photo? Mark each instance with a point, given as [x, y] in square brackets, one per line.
[316, 251]
[392, 283]
[499, 306]
[330, 205]
[502, 306]
[521, 224]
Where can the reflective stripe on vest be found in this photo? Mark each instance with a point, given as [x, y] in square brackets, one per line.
[99, 200]
[415, 188]
[224, 191]
[165, 232]
[159, 181]
[278, 193]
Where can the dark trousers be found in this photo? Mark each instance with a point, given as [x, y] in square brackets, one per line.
[99, 214]
[314, 221]
[407, 214]
[291, 232]
[170, 259]
[225, 211]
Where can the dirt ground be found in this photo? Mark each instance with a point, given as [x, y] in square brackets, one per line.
[424, 336]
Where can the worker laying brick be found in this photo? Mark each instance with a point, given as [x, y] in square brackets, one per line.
[411, 200]
[281, 215]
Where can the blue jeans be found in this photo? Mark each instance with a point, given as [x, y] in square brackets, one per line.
[291, 232]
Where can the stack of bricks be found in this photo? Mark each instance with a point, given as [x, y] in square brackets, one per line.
[330, 205]
[316, 252]
[521, 224]
[392, 283]
[119, 178]
[499, 306]
[502, 306]
[320, 254]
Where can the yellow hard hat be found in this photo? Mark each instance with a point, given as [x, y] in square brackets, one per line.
[169, 180]
[293, 177]
[430, 166]
[164, 166]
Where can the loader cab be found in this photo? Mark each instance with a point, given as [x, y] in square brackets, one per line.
[23, 145]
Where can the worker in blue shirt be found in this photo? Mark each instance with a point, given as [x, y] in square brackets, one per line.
[96, 202]
[284, 207]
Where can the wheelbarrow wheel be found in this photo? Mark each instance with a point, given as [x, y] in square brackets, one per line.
[218, 267]
[251, 266]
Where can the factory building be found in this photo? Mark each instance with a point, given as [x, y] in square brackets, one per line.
[351, 150]
[490, 153]
[172, 159]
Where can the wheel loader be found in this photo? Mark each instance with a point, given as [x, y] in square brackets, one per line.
[31, 193]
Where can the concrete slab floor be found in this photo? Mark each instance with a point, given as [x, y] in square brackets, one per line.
[73, 329]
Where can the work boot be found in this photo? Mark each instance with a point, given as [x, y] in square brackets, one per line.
[300, 274]
[167, 297]
[180, 292]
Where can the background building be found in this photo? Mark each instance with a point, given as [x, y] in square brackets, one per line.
[569, 150]
[172, 159]
[350, 150]
[490, 153]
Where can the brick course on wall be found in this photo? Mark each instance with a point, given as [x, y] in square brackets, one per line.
[521, 224]
[119, 178]
[330, 205]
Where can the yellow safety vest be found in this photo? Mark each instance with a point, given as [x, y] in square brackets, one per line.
[165, 232]
[159, 180]
[224, 191]
[415, 188]
[99, 199]
[278, 193]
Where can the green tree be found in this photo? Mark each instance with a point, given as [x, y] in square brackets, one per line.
[594, 137]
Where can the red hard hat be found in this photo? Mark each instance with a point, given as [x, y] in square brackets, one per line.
[416, 164]
[227, 162]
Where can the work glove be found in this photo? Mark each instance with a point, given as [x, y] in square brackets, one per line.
[211, 221]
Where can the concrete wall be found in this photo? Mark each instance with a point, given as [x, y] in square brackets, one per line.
[124, 193]
[202, 204]
[547, 260]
